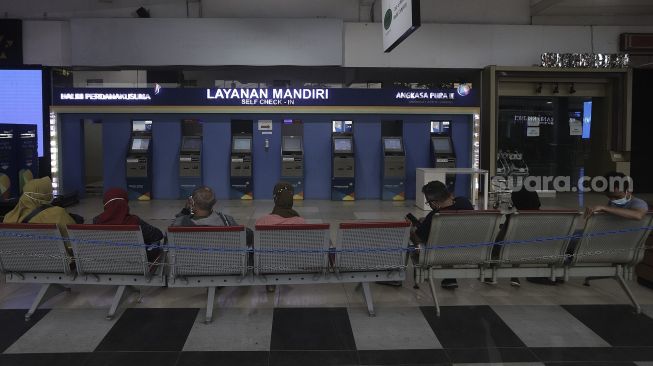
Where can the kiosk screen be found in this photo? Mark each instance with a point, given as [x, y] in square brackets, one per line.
[441, 145]
[140, 144]
[141, 126]
[191, 144]
[292, 144]
[392, 144]
[342, 145]
[242, 144]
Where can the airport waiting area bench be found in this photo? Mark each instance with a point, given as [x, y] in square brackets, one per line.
[109, 255]
[476, 244]
[208, 257]
[531, 244]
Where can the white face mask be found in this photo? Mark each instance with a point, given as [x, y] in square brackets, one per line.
[621, 201]
[42, 198]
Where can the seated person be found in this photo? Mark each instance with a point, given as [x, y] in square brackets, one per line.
[34, 206]
[621, 202]
[282, 213]
[116, 212]
[439, 199]
[199, 211]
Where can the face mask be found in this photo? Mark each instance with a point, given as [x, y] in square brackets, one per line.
[42, 198]
[620, 201]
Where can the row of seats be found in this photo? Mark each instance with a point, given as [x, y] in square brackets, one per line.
[534, 244]
[202, 257]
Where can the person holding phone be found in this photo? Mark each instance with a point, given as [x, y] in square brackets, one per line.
[439, 199]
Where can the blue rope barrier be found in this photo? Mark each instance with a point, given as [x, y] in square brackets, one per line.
[18, 234]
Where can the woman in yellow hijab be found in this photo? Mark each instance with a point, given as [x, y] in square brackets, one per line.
[35, 202]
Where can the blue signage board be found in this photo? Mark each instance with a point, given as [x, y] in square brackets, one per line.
[463, 96]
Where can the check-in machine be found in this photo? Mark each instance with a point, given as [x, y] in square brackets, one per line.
[292, 155]
[342, 161]
[27, 158]
[442, 151]
[8, 172]
[241, 166]
[393, 179]
[139, 161]
[190, 157]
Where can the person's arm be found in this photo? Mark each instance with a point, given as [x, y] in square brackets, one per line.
[151, 234]
[627, 213]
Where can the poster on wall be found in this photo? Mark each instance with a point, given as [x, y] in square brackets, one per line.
[575, 127]
[400, 19]
[11, 42]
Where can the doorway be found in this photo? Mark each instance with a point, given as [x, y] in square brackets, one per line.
[93, 157]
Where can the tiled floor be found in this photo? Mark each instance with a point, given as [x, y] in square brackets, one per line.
[328, 324]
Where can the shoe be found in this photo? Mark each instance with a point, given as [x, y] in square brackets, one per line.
[270, 288]
[489, 281]
[449, 283]
[514, 281]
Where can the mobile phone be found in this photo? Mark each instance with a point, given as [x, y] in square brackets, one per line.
[413, 219]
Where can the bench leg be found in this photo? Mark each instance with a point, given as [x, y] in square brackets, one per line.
[367, 296]
[121, 293]
[210, 300]
[620, 279]
[46, 292]
[435, 297]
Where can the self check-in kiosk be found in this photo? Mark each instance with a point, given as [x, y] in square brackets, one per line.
[139, 161]
[190, 157]
[241, 166]
[393, 172]
[8, 172]
[292, 155]
[442, 151]
[27, 159]
[342, 161]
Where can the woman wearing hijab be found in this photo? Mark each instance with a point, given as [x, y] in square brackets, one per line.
[282, 213]
[116, 212]
[34, 206]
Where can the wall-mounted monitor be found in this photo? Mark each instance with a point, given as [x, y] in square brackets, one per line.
[292, 144]
[392, 144]
[441, 145]
[342, 126]
[241, 144]
[140, 144]
[191, 143]
[343, 145]
[21, 99]
[141, 126]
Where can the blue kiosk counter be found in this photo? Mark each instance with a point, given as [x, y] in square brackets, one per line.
[264, 111]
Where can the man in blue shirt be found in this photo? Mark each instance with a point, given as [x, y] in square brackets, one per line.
[439, 199]
[622, 202]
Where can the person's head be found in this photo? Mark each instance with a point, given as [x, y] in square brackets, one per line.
[283, 193]
[618, 187]
[437, 195]
[38, 191]
[203, 200]
[115, 196]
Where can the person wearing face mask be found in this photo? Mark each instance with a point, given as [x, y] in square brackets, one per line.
[621, 203]
[34, 206]
[439, 199]
[282, 213]
[116, 212]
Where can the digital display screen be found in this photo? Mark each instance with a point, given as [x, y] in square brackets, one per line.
[435, 127]
[441, 145]
[342, 126]
[140, 144]
[392, 144]
[587, 119]
[242, 144]
[21, 100]
[141, 126]
[191, 144]
[342, 145]
[292, 143]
